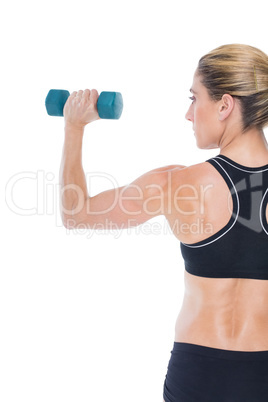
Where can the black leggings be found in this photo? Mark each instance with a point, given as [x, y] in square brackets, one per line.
[202, 374]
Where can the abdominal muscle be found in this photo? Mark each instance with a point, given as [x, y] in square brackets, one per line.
[225, 313]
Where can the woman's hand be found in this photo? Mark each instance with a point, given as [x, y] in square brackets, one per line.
[81, 108]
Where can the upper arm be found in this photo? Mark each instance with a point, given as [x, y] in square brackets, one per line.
[129, 205]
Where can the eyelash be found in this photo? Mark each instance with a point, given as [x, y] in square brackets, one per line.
[192, 98]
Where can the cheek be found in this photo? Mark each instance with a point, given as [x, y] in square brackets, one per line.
[204, 118]
[200, 114]
[198, 119]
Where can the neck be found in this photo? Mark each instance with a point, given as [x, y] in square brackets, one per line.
[248, 147]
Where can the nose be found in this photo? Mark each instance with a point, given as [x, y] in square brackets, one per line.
[189, 115]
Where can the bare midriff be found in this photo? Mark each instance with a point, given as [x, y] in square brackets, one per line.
[224, 313]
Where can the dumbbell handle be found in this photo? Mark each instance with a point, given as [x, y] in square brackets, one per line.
[109, 105]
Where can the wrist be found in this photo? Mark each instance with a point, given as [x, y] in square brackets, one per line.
[72, 128]
[73, 140]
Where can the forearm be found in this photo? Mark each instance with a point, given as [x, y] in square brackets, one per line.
[72, 177]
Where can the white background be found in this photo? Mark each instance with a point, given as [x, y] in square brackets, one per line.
[90, 316]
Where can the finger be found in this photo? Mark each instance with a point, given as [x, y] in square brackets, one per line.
[94, 95]
[86, 94]
[73, 93]
[80, 93]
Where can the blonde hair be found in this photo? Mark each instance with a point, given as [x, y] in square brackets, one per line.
[242, 72]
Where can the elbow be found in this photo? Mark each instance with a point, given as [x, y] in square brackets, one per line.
[72, 222]
[69, 222]
[73, 218]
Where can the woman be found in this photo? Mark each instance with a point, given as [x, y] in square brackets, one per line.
[221, 342]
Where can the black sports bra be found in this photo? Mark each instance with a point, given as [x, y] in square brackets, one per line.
[240, 248]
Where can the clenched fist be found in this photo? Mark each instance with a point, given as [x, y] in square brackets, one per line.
[81, 108]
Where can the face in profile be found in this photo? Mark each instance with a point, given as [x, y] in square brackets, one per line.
[203, 113]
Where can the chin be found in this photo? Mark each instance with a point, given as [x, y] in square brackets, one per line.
[200, 145]
[204, 145]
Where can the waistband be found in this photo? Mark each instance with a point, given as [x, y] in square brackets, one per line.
[220, 353]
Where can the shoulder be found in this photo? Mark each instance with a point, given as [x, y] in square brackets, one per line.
[188, 188]
[178, 183]
[173, 177]
[192, 174]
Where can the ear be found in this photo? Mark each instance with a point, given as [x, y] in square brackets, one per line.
[226, 105]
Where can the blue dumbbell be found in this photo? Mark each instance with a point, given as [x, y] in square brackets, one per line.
[109, 105]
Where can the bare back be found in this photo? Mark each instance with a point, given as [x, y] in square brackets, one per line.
[225, 313]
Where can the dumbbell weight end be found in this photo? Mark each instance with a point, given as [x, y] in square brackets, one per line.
[55, 101]
[110, 105]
